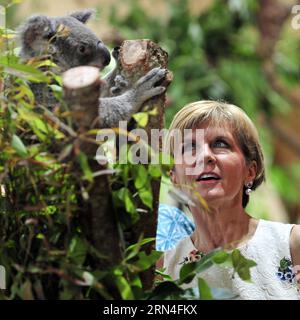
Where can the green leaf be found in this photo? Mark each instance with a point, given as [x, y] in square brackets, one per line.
[146, 197]
[117, 271]
[166, 289]
[205, 262]
[236, 258]
[77, 251]
[23, 71]
[124, 288]
[244, 273]
[44, 63]
[129, 203]
[141, 118]
[135, 280]
[140, 176]
[133, 250]
[154, 170]
[284, 263]
[38, 125]
[167, 160]
[146, 261]
[204, 290]
[187, 272]
[161, 273]
[19, 146]
[84, 164]
[56, 88]
[242, 265]
[220, 257]
[24, 92]
[153, 112]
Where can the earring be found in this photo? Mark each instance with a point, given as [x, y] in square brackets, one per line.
[248, 186]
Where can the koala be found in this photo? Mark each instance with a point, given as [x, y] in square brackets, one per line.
[69, 43]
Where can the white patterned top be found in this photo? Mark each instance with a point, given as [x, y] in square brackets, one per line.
[268, 246]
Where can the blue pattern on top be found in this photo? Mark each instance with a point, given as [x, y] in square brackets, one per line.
[173, 225]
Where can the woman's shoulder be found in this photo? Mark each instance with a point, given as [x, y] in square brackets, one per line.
[275, 239]
[273, 232]
[295, 234]
[274, 227]
[295, 245]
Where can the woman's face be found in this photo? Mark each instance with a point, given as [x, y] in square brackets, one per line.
[213, 163]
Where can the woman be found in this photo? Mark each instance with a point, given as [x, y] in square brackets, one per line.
[223, 162]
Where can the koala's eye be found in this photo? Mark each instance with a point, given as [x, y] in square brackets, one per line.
[50, 35]
[82, 49]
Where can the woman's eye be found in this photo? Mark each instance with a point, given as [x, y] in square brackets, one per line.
[220, 144]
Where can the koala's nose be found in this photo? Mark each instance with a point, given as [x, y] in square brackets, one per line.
[105, 55]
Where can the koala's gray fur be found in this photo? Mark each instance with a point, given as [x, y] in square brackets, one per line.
[69, 43]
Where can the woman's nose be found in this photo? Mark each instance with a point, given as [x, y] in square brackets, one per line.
[204, 158]
[208, 155]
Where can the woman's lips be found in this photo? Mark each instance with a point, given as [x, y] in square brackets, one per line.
[208, 178]
[209, 181]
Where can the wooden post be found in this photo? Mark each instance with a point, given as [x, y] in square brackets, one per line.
[82, 90]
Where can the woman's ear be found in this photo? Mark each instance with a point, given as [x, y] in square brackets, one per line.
[252, 171]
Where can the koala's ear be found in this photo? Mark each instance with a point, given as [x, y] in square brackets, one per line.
[34, 31]
[84, 15]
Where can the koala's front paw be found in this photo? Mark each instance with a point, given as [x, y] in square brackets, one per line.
[120, 85]
[146, 86]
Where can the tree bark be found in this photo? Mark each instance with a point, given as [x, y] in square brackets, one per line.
[82, 91]
[136, 58]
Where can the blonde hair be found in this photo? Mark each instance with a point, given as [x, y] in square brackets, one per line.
[221, 114]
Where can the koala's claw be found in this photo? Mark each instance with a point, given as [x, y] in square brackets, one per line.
[152, 77]
[156, 91]
[115, 90]
[120, 81]
[120, 84]
[147, 87]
